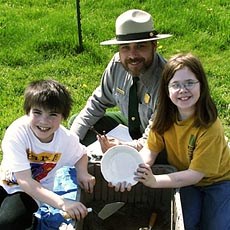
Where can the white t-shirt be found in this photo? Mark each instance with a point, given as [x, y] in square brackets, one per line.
[22, 150]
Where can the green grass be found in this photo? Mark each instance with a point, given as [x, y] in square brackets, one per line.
[39, 40]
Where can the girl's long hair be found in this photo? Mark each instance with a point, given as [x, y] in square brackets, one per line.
[166, 112]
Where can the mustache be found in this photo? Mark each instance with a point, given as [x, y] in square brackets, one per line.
[131, 60]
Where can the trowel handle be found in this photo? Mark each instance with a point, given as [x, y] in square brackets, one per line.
[67, 216]
[152, 220]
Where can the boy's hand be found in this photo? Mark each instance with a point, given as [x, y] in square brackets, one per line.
[74, 209]
[86, 181]
[121, 187]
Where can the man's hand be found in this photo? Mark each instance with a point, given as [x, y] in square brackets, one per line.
[107, 142]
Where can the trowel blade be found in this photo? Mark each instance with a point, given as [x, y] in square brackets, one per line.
[110, 209]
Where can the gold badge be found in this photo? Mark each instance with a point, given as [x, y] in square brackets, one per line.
[147, 98]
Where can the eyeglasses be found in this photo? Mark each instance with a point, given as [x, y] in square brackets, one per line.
[179, 85]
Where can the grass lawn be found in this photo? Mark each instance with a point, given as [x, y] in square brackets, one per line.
[39, 40]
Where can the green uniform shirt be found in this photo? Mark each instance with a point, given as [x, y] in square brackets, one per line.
[114, 92]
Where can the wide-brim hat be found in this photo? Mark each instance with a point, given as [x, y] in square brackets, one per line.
[134, 26]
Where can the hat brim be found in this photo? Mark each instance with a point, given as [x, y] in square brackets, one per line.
[114, 41]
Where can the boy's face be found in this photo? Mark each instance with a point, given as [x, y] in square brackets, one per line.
[44, 123]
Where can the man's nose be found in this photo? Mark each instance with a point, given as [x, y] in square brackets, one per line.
[133, 53]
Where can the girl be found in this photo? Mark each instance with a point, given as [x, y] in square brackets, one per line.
[187, 126]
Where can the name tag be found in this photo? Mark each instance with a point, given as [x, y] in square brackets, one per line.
[120, 91]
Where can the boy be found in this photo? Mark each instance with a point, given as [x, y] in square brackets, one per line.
[34, 147]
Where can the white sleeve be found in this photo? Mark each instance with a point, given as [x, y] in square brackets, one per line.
[14, 149]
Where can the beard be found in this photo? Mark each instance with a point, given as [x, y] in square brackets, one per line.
[136, 66]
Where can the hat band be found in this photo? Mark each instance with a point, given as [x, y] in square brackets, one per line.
[137, 36]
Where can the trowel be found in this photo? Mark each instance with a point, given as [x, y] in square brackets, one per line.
[106, 211]
[110, 209]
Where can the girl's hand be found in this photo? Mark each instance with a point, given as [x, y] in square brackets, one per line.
[144, 175]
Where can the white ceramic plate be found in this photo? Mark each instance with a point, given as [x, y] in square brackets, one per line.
[119, 163]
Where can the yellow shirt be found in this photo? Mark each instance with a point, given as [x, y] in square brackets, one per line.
[201, 149]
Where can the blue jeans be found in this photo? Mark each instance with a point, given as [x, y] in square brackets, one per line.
[206, 208]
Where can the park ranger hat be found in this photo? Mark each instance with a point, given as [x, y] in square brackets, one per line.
[134, 26]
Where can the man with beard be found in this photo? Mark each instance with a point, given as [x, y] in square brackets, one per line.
[137, 59]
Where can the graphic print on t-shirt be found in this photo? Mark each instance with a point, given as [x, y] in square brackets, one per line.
[42, 163]
[191, 146]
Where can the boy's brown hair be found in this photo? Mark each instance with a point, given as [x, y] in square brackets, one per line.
[48, 94]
